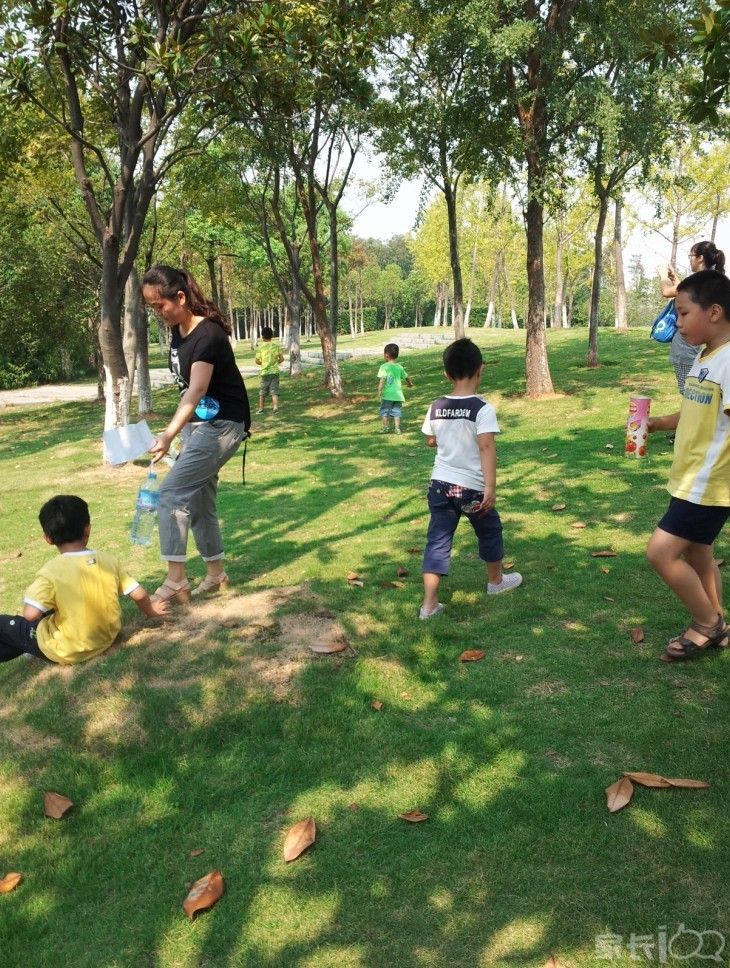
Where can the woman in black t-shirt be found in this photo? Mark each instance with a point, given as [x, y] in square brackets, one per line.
[202, 360]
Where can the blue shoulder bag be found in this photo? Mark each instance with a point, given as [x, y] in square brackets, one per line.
[665, 325]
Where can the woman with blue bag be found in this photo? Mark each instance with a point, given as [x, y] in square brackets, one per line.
[212, 418]
[703, 255]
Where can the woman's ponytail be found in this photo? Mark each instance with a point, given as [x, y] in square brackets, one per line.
[712, 257]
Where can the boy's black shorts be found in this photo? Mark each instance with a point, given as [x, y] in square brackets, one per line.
[700, 523]
[17, 636]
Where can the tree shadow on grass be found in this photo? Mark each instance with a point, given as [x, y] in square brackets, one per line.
[202, 735]
[174, 742]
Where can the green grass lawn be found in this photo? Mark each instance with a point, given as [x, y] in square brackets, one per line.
[220, 729]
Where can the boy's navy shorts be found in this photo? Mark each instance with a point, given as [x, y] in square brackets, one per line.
[700, 523]
[17, 636]
[446, 503]
[390, 408]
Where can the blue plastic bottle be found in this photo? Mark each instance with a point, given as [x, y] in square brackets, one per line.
[143, 525]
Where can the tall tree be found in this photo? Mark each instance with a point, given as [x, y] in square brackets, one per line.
[439, 118]
[114, 77]
[306, 105]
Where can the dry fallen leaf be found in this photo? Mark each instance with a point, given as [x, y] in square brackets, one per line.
[203, 894]
[606, 598]
[353, 576]
[609, 446]
[377, 705]
[392, 584]
[552, 455]
[619, 794]
[606, 571]
[301, 836]
[10, 882]
[472, 655]
[649, 780]
[413, 816]
[603, 554]
[414, 551]
[197, 852]
[604, 682]
[405, 695]
[506, 565]
[519, 658]
[357, 582]
[55, 805]
[559, 507]
[579, 524]
[328, 648]
[637, 635]
[401, 572]
[688, 784]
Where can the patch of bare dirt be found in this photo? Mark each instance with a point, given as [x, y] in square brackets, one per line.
[264, 650]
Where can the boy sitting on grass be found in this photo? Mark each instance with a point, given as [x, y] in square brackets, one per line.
[699, 482]
[462, 426]
[71, 610]
[390, 388]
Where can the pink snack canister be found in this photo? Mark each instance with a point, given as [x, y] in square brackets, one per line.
[637, 426]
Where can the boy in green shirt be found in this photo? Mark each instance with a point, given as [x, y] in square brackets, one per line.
[390, 389]
[268, 357]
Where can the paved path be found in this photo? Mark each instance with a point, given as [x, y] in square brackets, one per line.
[77, 392]
[67, 392]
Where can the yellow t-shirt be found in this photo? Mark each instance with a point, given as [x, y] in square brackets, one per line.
[268, 354]
[701, 469]
[83, 588]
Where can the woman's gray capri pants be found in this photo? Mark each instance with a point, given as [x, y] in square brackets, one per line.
[188, 493]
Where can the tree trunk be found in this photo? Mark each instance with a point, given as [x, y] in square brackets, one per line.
[458, 295]
[618, 256]
[559, 283]
[675, 235]
[493, 284]
[472, 273]
[596, 284]
[510, 294]
[437, 309]
[539, 381]
[334, 273]
[116, 377]
[295, 324]
[210, 262]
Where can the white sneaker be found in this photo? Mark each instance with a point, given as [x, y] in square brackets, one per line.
[423, 615]
[513, 580]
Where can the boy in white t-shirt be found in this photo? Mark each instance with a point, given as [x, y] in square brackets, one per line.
[462, 426]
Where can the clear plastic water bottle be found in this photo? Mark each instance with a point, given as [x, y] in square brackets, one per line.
[145, 517]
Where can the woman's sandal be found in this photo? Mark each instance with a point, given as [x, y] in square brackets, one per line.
[171, 591]
[683, 648]
[209, 585]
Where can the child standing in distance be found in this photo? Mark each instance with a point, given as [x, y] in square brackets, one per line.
[390, 388]
[462, 426]
[699, 482]
[71, 610]
[268, 357]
